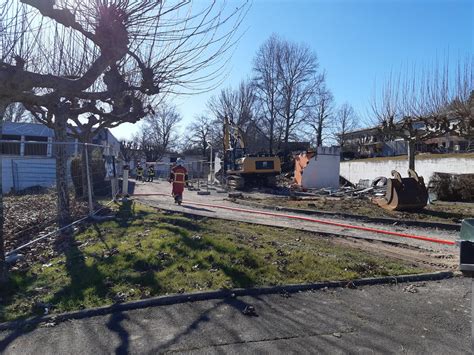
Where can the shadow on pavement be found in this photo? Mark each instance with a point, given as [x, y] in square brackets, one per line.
[114, 324]
[194, 326]
[17, 333]
[203, 318]
[197, 208]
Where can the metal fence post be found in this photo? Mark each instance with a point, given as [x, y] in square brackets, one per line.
[89, 185]
[114, 180]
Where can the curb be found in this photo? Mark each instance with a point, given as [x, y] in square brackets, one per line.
[381, 220]
[211, 295]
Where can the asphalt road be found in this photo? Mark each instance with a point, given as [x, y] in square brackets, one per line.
[420, 318]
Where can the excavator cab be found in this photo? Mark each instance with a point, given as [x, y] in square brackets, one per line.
[242, 169]
[232, 158]
[404, 194]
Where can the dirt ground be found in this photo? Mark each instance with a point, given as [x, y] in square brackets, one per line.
[29, 216]
[436, 256]
[447, 212]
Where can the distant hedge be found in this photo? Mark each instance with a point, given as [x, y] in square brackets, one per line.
[453, 187]
[101, 187]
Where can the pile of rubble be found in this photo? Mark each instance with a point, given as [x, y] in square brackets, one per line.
[363, 189]
[395, 194]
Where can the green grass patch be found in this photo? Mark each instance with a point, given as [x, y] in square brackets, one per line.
[144, 253]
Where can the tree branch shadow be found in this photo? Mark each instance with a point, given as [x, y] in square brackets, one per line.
[114, 324]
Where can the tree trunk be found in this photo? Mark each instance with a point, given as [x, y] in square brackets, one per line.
[83, 171]
[287, 137]
[319, 136]
[411, 154]
[271, 139]
[85, 139]
[60, 134]
[3, 265]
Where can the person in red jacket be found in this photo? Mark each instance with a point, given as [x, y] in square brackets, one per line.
[178, 177]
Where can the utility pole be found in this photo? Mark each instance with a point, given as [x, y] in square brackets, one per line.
[210, 164]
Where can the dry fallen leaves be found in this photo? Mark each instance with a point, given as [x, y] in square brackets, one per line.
[28, 217]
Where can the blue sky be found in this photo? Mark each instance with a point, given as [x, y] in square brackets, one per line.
[358, 43]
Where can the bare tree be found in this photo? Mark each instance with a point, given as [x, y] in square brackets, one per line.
[321, 109]
[150, 150]
[70, 58]
[345, 121]
[462, 103]
[159, 129]
[284, 78]
[238, 106]
[266, 71]
[200, 133]
[297, 66]
[130, 150]
[16, 112]
[427, 103]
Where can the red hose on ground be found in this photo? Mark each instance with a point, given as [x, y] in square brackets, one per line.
[313, 220]
[367, 229]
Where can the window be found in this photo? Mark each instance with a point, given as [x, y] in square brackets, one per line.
[32, 148]
[12, 148]
[263, 165]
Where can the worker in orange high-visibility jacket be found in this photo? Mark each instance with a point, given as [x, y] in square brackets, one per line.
[179, 178]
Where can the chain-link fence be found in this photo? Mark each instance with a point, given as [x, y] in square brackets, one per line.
[29, 174]
[198, 169]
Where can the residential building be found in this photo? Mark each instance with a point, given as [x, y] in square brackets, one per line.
[370, 142]
[27, 153]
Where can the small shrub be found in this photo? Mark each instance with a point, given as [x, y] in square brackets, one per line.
[453, 187]
[101, 187]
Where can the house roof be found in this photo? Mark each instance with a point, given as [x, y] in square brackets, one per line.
[26, 129]
[362, 131]
[40, 130]
[418, 124]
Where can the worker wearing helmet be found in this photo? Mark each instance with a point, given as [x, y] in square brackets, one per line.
[151, 173]
[178, 177]
[139, 172]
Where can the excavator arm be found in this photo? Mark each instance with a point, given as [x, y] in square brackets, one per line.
[233, 137]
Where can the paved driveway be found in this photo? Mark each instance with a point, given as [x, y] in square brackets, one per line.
[420, 318]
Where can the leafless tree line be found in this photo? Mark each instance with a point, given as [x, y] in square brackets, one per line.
[286, 99]
[156, 136]
[427, 102]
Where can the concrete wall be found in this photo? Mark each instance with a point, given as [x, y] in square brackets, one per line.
[356, 170]
[322, 170]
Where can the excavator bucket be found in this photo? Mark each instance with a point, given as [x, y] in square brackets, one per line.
[404, 194]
